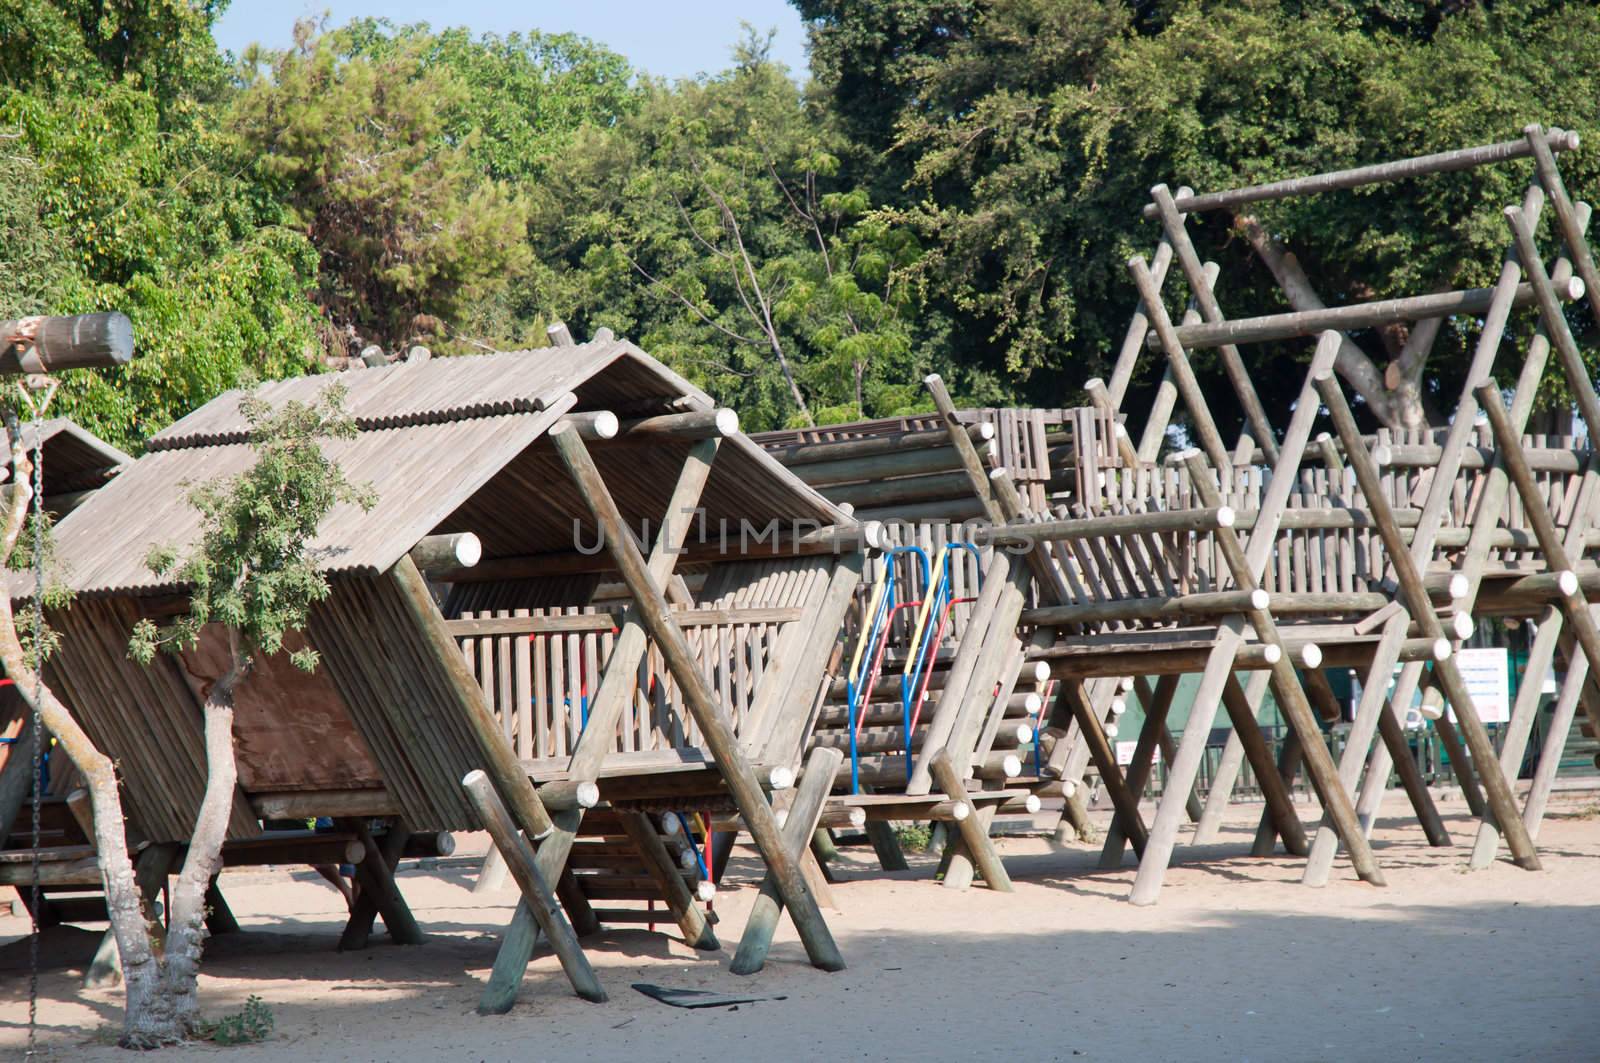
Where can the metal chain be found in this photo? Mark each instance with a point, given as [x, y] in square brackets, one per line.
[38, 724]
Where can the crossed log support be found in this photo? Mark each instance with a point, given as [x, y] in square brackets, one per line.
[712, 720]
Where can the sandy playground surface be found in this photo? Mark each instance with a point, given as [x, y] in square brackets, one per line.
[1238, 961]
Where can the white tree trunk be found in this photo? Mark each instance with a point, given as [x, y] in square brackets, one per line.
[148, 1019]
[186, 930]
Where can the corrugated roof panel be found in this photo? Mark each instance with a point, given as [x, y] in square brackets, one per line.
[440, 389]
[420, 474]
[445, 440]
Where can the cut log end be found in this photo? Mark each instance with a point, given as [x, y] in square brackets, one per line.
[705, 891]
[587, 794]
[604, 425]
[448, 552]
[1032, 804]
[1441, 649]
[1033, 702]
[780, 778]
[1271, 653]
[1568, 582]
[1459, 586]
[961, 812]
[1463, 625]
[1118, 706]
[1259, 599]
[1012, 766]
[1226, 516]
[1311, 655]
[727, 421]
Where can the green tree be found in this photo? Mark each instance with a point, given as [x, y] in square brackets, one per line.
[707, 225]
[122, 192]
[410, 230]
[1032, 131]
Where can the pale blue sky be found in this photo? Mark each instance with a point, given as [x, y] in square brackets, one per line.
[667, 39]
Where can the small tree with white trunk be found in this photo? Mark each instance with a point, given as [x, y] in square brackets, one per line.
[253, 572]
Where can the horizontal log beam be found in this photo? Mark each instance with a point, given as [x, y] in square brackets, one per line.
[1471, 301]
[833, 539]
[696, 424]
[455, 550]
[1398, 170]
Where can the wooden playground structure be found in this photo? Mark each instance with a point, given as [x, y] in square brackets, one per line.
[592, 617]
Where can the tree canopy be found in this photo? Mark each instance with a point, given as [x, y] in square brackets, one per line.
[956, 186]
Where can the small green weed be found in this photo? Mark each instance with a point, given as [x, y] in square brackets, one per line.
[913, 837]
[245, 1027]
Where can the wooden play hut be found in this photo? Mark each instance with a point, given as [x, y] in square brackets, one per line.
[504, 664]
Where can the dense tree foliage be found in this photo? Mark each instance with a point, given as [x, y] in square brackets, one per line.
[956, 187]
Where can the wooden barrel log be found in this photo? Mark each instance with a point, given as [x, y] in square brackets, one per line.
[52, 344]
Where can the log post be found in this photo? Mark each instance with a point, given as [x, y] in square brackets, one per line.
[1156, 705]
[358, 928]
[492, 873]
[1415, 593]
[1544, 161]
[52, 344]
[1123, 798]
[500, 762]
[522, 934]
[1232, 363]
[977, 473]
[219, 917]
[1227, 773]
[535, 890]
[1285, 685]
[885, 846]
[798, 828]
[1288, 766]
[980, 847]
[712, 720]
[1280, 815]
[1171, 810]
[1182, 373]
[443, 553]
[376, 879]
[641, 831]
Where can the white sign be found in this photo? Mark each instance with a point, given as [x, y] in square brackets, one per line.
[1487, 673]
[1125, 754]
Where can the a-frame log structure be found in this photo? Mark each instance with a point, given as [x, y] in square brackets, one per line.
[609, 709]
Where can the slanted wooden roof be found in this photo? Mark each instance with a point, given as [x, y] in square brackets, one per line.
[447, 444]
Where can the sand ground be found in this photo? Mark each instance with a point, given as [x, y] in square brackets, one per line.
[1237, 962]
